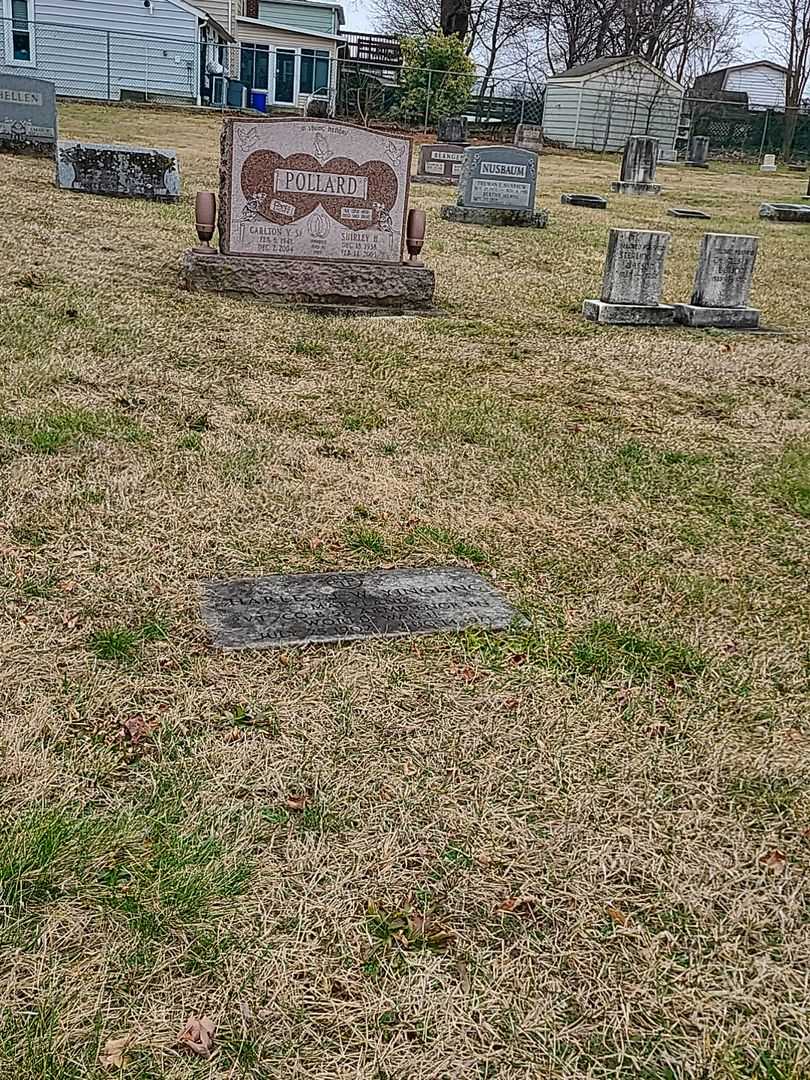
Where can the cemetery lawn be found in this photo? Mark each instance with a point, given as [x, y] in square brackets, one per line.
[579, 849]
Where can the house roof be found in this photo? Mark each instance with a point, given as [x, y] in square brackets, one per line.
[604, 63]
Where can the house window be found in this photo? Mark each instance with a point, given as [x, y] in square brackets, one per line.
[314, 71]
[20, 32]
[255, 68]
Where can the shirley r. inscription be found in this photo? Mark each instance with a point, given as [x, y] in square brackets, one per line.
[299, 609]
[312, 189]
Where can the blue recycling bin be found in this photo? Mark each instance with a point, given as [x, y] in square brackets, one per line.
[258, 99]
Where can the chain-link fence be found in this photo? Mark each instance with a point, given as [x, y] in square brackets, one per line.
[362, 80]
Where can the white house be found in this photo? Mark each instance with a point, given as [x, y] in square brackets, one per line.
[596, 106]
[176, 50]
[762, 80]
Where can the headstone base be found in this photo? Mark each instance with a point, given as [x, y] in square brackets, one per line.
[574, 198]
[599, 311]
[482, 215]
[697, 164]
[630, 187]
[767, 168]
[441, 181]
[740, 318]
[385, 288]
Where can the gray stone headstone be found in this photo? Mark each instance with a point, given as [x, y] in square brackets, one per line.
[634, 266]
[688, 212]
[452, 129]
[768, 163]
[572, 198]
[299, 609]
[785, 212]
[27, 115]
[698, 152]
[725, 270]
[639, 160]
[632, 280]
[498, 177]
[440, 162]
[134, 172]
[529, 137]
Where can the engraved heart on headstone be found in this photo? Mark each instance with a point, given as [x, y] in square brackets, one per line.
[286, 189]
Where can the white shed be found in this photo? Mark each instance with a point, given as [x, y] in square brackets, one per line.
[762, 80]
[598, 105]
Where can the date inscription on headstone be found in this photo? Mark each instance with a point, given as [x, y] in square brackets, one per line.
[299, 609]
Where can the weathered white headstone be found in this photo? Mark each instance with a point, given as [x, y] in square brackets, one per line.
[632, 280]
[313, 189]
[722, 284]
[639, 161]
[27, 115]
[768, 163]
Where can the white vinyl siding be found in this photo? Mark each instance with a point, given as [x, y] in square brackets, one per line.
[300, 16]
[764, 85]
[253, 34]
[92, 49]
[601, 110]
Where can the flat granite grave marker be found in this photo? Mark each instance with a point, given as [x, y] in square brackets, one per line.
[632, 280]
[315, 212]
[768, 163]
[27, 115]
[573, 198]
[785, 212]
[639, 161]
[497, 187]
[439, 163]
[125, 172]
[698, 152]
[300, 609]
[722, 284]
[688, 212]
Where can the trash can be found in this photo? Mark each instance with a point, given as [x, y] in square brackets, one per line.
[258, 99]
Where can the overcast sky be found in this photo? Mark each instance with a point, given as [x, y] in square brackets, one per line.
[753, 45]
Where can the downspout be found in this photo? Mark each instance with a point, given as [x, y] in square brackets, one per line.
[576, 122]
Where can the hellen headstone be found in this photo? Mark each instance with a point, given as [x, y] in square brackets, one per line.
[722, 284]
[632, 280]
[27, 115]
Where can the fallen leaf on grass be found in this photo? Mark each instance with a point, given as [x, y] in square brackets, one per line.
[296, 802]
[517, 905]
[618, 916]
[774, 860]
[137, 728]
[197, 1036]
[114, 1051]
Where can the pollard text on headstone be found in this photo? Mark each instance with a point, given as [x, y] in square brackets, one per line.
[27, 115]
[313, 189]
[632, 280]
[127, 172]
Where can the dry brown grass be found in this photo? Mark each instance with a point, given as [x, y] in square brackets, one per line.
[544, 855]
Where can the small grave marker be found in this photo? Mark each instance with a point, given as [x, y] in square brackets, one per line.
[452, 129]
[785, 211]
[768, 163]
[722, 284]
[27, 115]
[439, 163]
[698, 152]
[688, 212]
[572, 198]
[632, 280]
[639, 162]
[529, 137]
[302, 609]
[126, 172]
